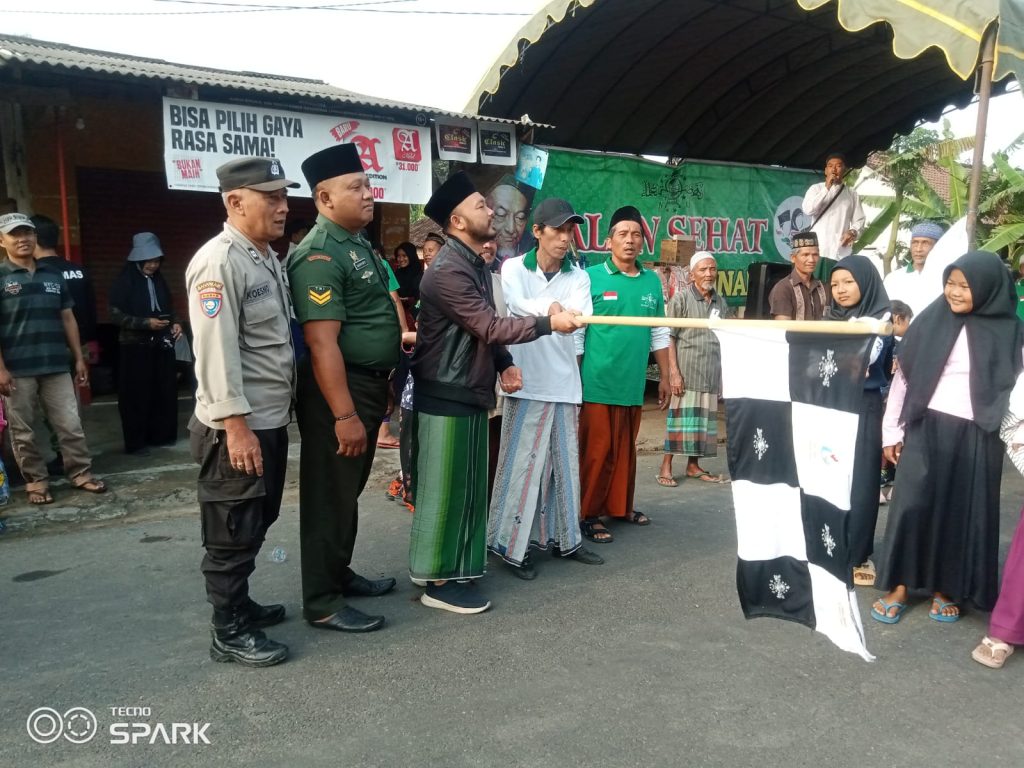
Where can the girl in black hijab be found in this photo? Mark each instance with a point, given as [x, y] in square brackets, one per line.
[857, 292]
[408, 272]
[958, 363]
[147, 392]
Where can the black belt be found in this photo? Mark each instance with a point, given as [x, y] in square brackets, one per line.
[376, 373]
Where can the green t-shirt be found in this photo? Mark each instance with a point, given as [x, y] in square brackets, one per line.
[1020, 299]
[335, 275]
[614, 368]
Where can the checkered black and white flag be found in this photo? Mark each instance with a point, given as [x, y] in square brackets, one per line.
[791, 414]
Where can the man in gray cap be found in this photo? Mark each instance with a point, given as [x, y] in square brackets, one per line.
[37, 328]
[536, 498]
[239, 307]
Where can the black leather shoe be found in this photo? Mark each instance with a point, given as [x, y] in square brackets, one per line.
[264, 615]
[232, 639]
[526, 571]
[350, 619]
[585, 556]
[360, 586]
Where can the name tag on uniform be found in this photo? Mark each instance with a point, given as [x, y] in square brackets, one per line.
[360, 264]
[610, 296]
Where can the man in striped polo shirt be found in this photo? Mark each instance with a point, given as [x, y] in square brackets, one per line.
[37, 328]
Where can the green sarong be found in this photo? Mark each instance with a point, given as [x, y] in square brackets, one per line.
[449, 489]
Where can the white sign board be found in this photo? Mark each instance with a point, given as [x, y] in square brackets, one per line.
[201, 136]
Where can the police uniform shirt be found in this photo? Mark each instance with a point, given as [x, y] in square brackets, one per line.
[239, 307]
[334, 275]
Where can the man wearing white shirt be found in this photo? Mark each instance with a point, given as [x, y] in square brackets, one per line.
[910, 285]
[536, 497]
[837, 215]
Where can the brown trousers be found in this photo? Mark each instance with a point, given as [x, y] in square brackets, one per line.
[608, 459]
[56, 393]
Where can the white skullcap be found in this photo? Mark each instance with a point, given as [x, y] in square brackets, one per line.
[699, 256]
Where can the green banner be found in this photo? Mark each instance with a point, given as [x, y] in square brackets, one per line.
[740, 213]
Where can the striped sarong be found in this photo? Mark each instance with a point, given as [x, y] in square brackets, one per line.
[449, 488]
[536, 499]
[692, 425]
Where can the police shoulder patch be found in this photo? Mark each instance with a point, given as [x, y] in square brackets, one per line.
[211, 297]
[319, 294]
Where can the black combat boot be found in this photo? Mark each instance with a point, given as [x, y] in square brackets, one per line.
[235, 639]
[261, 616]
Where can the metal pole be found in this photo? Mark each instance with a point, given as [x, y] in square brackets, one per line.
[988, 51]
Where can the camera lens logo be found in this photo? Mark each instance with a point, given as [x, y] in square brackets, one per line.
[46, 725]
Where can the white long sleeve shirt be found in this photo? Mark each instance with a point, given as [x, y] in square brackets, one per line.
[842, 216]
[550, 371]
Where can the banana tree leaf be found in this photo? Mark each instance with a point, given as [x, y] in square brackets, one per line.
[881, 222]
[1004, 235]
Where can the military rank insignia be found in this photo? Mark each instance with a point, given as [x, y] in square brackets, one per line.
[319, 294]
[211, 297]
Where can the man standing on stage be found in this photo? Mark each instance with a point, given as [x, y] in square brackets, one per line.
[459, 352]
[692, 425]
[614, 372]
[801, 296]
[340, 292]
[836, 212]
[537, 489]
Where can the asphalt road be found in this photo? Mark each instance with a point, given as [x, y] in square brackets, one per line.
[645, 661]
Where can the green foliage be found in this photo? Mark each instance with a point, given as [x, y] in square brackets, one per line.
[1001, 206]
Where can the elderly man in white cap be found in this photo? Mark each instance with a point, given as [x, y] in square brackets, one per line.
[909, 284]
[692, 424]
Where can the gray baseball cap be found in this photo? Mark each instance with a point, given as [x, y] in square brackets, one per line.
[11, 221]
[554, 212]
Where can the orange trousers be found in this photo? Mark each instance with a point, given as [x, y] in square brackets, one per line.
[608, 459]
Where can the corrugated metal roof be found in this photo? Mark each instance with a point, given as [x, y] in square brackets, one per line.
[42, 53]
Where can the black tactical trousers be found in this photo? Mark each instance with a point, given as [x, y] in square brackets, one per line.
[236, 509]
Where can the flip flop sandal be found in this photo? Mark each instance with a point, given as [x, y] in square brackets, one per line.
[992, 653]
[939, 615]
[707, 477]
[92, 485]
[667, 482]
[864, 574]
[589, 529]
[884, 617]
[39, 498]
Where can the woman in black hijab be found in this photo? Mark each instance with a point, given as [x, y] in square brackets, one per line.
[958, 363]
[857, 292]
[408, 272]
[147, 392]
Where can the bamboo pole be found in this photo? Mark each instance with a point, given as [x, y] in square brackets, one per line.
[988, 53]
[866, 327]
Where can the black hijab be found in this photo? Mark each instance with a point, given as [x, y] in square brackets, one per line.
[409, 276]
[130, 293]
[994, 338]
[874, 301]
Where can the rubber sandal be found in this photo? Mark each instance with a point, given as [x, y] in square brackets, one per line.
[667, 482]
[589, 529]
[885, 618]
[864, 574]
[92, 485]
[39, 498]
[637, 518]
[939, 615]
[707, 477]
[992, 653]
